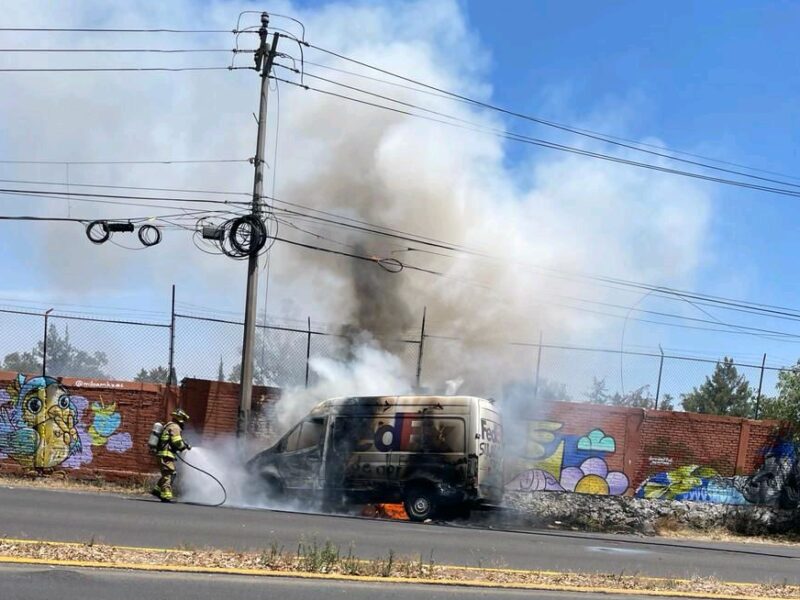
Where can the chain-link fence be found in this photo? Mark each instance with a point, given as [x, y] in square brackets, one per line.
[78, 346]
[291, 356]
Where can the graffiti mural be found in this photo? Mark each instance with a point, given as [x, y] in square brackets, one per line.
[43, 426]
[558, 462]
[775, 483]
[691, 482]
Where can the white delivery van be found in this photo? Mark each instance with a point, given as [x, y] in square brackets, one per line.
[439, 455]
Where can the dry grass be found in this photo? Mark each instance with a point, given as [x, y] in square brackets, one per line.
[326, 558]
[682, 532]
[61, 481]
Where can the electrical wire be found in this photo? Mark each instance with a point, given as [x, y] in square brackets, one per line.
[111, 30]
[547, 144]
[368, 228]
[614, 140]
[120, 50]
[125, 162]
[727, 303]
[115, 69]
[47, 193]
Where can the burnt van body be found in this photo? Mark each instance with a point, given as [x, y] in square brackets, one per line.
[436, 454]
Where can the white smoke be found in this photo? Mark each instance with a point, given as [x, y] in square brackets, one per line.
[370, 371]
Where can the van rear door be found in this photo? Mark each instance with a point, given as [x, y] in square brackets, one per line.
[490, 453]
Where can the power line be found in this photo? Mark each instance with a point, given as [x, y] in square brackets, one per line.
[111, 30]
[126, 187]
[615, 140]
[547, 144]
[737, 330]
[46, 193]
[366, 227]
[122, 50]
[124, 162]
[126, 204]
[115, 69]
[760, 332]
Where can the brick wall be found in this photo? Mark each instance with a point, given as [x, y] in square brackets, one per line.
[214, 408]
[101, 430]
[656, 447]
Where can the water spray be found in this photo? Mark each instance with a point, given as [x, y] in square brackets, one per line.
[222, 487]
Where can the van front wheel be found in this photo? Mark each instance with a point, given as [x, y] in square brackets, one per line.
[421, 504]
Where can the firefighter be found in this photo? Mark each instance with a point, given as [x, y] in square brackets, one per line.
[169, 443]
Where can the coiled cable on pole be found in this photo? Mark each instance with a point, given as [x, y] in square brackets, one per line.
[222, 487]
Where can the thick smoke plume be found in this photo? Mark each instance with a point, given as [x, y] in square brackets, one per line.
[536, 212]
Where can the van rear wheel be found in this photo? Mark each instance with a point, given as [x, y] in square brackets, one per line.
[421, 504]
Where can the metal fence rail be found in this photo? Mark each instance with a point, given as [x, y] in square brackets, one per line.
[285, 356]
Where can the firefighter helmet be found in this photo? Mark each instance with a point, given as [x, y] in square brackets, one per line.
[179, 415]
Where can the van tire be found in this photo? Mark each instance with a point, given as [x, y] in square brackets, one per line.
[421, 503]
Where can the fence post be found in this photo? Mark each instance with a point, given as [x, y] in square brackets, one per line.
[421, 345]
[308, 349]
[760, 381]
[660, 370]
[171, 377]
[538, 366]
[44, 343]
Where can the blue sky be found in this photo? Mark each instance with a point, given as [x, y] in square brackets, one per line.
[708, 77]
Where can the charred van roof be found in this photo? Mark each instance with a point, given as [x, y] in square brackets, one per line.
[342, 403]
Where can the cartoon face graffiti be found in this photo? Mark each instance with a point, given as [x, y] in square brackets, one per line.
[39, 429]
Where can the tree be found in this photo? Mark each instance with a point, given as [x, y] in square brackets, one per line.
[154, 375]
[786, 405]
[725, 392]
[63, 358]
[638, 398]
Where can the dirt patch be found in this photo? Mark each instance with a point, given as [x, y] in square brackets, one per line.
[313, 557]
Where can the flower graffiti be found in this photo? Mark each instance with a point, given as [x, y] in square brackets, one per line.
[568, 463]
[42, 426]
[103, 430]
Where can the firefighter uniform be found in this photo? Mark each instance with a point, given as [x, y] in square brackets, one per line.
[169, 443]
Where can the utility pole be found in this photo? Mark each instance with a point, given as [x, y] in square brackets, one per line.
[264, 57]
[44, 343]
[421, 348]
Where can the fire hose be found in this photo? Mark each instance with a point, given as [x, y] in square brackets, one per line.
[222, 487]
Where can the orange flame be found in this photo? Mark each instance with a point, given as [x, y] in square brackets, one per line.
[385, 511]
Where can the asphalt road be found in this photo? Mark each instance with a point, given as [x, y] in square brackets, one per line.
[83, 516]
[46, 583]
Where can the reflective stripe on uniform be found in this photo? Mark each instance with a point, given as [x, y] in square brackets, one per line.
[170, 441]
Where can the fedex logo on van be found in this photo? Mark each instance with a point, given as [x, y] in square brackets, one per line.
[399, 435]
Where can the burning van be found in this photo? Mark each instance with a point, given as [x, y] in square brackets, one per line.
[438, 455]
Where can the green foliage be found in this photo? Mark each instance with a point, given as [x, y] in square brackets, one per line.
[724, 392]
[638, 398]
[271, 356]
[786, 405]
[550, 391]
[154, 375]
[63, 358]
